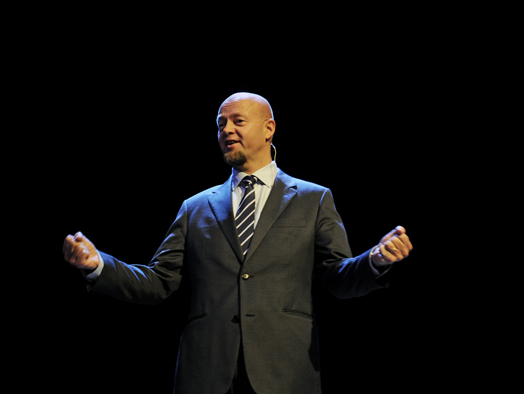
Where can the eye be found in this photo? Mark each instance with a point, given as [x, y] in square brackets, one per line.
[240, 121]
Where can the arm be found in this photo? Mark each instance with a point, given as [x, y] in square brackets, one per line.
[135, 283]
[342, 274]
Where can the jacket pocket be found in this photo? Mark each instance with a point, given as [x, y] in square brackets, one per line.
[195, 317]
[298, 313]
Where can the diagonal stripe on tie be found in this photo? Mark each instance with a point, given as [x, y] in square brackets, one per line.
[246, 214]
[243, 221]
[247, 205]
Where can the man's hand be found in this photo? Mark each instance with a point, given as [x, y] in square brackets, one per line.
[80, 252]
[394, 246]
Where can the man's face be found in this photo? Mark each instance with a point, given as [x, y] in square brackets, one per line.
[241, 133]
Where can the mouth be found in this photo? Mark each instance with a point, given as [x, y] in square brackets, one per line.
[231, 143]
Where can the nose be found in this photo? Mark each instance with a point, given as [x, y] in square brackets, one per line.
[224, 131]
[228, 128]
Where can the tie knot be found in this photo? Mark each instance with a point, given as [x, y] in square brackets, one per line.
[249, 180]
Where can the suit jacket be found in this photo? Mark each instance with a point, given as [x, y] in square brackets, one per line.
[263, 301]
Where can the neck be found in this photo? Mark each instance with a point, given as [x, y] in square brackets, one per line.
[251, 168]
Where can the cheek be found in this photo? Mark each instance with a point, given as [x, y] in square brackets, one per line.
[254, 139]
[221, 137]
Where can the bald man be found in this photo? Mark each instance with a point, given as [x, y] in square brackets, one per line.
[248, 148]
[251, 249]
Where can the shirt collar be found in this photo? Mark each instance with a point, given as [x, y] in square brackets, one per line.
[266, 174]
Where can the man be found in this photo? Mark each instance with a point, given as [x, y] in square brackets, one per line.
[251, 249]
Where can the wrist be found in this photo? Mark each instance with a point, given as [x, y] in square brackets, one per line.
[376, 260]
[373, 257]
[92, 275]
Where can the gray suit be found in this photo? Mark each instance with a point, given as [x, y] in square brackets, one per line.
[264, 301]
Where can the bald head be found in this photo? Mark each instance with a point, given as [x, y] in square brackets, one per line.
[245, 131]
[261, 105]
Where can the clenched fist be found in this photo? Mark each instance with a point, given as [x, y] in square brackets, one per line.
[80, 252]
[394, 246]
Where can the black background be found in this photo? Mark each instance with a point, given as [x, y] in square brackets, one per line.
[127, 132]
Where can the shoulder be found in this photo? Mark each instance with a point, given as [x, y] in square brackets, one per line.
[301, 185]
[205, 194]
[220, 194]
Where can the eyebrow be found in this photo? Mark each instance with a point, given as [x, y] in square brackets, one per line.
[235, 115]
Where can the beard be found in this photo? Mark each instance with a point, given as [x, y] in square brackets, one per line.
[235, 159]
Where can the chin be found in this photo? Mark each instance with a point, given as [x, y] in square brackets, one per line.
[235, 159]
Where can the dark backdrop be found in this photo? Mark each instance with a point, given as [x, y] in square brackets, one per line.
[129, 135]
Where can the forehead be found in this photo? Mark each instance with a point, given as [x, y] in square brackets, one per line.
[241, 107]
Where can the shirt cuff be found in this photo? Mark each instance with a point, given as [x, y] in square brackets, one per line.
[373, 268]
[93, 276]
[377, 271]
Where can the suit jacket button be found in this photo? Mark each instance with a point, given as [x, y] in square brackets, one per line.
[235, 319]
[245, 276]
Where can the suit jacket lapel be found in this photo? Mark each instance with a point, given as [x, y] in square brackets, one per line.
[283, 191]
[220, 203]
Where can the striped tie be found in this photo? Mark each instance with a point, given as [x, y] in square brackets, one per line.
[245, 218]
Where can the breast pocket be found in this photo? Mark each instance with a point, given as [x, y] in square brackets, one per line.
[290, 223]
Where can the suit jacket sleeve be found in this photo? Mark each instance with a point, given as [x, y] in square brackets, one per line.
[152, 283]
[342, 274]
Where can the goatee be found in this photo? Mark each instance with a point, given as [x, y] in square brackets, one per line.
[235, 159]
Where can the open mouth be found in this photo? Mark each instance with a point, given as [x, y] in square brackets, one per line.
[230, 143]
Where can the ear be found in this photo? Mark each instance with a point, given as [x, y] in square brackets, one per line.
[269, 129]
